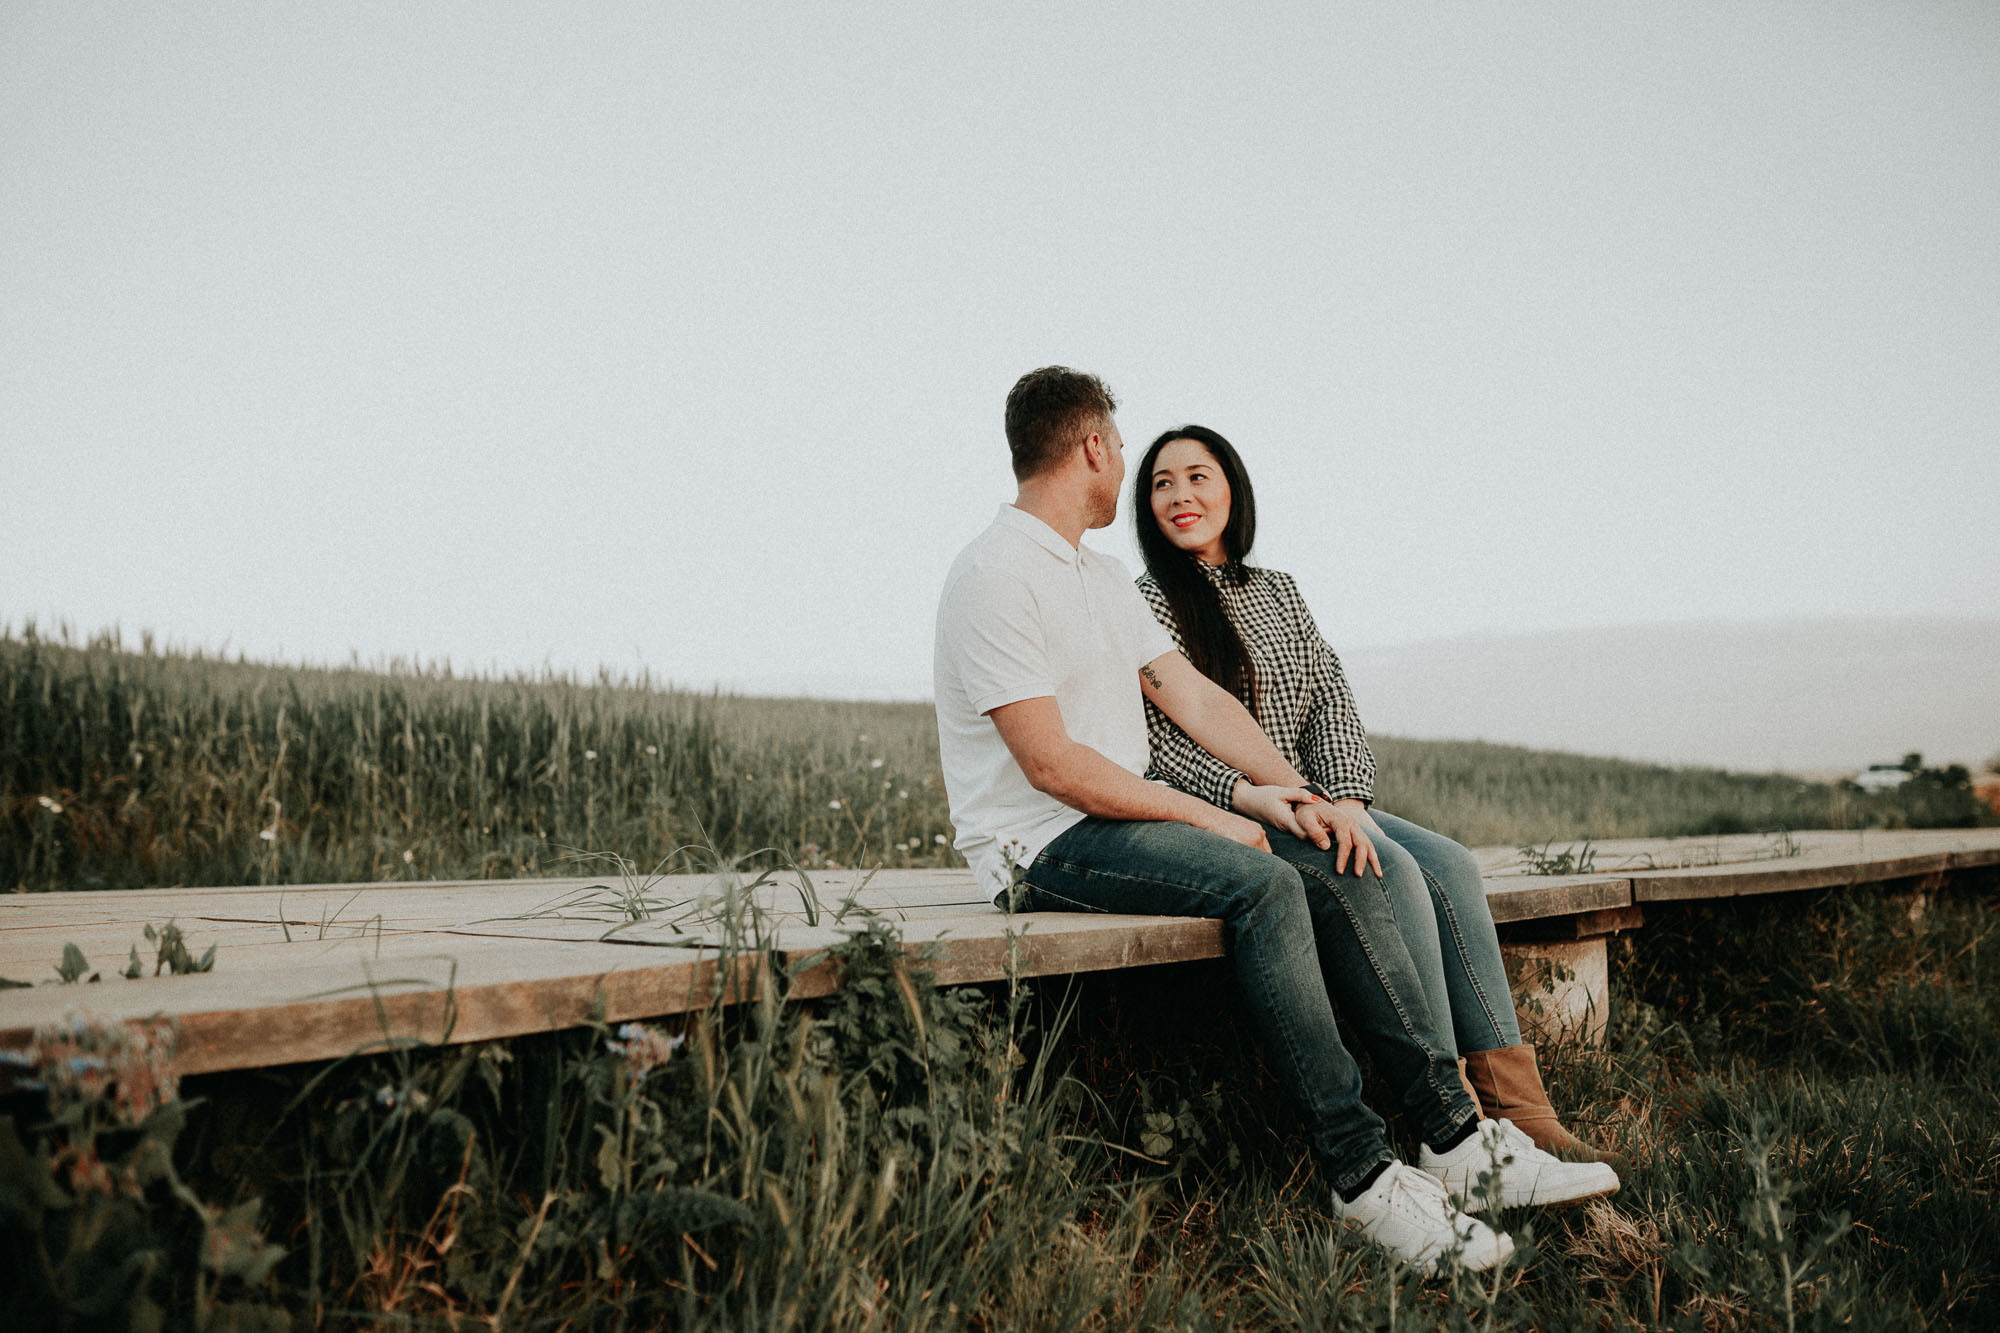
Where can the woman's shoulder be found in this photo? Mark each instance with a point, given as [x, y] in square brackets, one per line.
[1283, 589]
[1272, 578]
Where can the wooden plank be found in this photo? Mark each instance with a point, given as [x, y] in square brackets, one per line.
[1582, 926]
[386, 964]
[1787, 876]
[979, 948]
[1975, 857]
[32, 956]
[1521, 899]
[330, 1010]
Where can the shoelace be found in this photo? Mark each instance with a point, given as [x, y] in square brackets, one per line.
[1421, 1186]
[1517, 1139]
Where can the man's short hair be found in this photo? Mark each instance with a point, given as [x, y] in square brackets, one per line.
[1049, 411]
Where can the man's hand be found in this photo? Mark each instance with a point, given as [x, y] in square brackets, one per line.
[1274, 806]
[1347, 823]
[1233, 827]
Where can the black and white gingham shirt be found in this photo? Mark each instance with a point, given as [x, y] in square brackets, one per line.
[1303, 702]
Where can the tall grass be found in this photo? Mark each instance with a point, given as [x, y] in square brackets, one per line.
[122, 767]
[1807, 1088]
[1484, 794]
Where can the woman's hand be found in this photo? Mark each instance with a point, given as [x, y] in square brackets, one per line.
[1348, 823]
[1359, 809]
[1275, 806]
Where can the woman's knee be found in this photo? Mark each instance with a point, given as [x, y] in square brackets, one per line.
[1402, 878]
[1458, 877]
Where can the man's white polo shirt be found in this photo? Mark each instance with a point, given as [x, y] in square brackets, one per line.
[1024, 614]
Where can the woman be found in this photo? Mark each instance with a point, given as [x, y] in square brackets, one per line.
[1247, 629]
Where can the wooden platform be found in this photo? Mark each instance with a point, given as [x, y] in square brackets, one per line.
[322, 971]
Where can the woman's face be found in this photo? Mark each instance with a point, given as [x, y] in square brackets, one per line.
[1191, 499]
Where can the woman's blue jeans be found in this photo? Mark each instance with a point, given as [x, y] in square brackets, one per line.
[1298, 952]
[1438, 897]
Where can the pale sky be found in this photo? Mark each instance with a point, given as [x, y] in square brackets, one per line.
[678, 336]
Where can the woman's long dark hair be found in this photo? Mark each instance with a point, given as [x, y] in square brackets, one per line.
[1213, 644]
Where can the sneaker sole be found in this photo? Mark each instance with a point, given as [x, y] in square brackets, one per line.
[1473, 1207]
[1506, 1253]
[1430, 1265]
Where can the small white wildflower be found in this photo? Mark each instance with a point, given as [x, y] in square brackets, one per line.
[590, 754]
[833, 805]
[938, 838]
[645, 1048]
[54, 807]
[903, 795]
[652, 749]
[409, 855]
[268, 835]
[874, 763]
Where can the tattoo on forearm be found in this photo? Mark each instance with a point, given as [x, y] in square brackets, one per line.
[1152, 676]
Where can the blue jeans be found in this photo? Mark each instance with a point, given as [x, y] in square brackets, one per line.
[1291, 948]
[1438, 896]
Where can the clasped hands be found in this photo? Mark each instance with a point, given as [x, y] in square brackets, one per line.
[1345, 823]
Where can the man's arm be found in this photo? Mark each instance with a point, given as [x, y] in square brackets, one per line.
[1217, 721]
[1085, 780]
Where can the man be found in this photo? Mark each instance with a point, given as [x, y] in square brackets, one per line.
[1043, 650]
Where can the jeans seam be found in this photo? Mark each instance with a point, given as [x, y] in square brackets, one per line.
[1458, 943]
[1098, 872]
[1395, 1000]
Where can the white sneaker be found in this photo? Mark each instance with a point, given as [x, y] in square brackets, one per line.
[1408, 1214]
[1500, 1164]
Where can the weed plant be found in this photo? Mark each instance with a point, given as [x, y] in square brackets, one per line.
[1807, 1087]
[121, 768]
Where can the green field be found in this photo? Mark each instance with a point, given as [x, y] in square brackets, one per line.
[121, 768]
[1808, 1087]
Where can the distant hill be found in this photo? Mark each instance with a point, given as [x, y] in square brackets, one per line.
[1802, 696]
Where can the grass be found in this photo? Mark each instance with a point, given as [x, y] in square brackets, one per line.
[123, 767]
[1809, 1085]
[1811, 1114]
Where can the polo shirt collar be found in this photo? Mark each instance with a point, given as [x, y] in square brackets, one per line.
[1044, 536]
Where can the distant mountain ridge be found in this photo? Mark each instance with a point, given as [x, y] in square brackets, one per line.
[1802, 696]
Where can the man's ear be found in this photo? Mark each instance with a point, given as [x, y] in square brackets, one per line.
[1095, 455]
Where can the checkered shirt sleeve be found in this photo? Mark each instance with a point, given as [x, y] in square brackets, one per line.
[1332, 744]
[1303, 701]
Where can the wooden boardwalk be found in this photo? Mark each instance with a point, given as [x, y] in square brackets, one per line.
[321, 971]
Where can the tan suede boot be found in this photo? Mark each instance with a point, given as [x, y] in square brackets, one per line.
[1471, 1091]
[1508, 1084]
